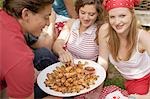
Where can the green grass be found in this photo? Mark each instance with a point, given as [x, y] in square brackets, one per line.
[0, 3]
[115, 81]
[114, 77]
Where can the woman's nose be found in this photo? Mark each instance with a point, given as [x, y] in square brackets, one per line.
[117, 21]
[86, 16]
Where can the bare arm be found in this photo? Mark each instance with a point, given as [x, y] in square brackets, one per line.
[102, 59]
[144, 41]
[103, 46]
[60, 42]
[62, 38]
[103, 50]
[43, 41]
[48, 35]
[70, 8]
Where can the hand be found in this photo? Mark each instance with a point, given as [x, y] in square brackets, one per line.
[52, 97]
[36, 73]
[92, 96]
[65, 57]
[53, 16]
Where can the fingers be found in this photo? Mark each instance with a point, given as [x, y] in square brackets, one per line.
[66, 57]
[36, 73]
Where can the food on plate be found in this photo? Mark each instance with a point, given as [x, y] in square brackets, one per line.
[69, 79]
[89, 70]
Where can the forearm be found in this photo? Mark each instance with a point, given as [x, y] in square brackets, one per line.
[99, 88]
[96, 94]
[70, 8]
[72, 13]
[44, 41]
[47, 37]
[58, 47]
[103, 62]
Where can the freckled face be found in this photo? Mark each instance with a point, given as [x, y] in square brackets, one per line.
[120, 19]
[88, 15]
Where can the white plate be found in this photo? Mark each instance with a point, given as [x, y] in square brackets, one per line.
[42, 76]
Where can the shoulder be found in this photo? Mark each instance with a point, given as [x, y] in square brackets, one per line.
[105, 26]
[143, 34]
[70, 23]
[144, 39]
[103, 30]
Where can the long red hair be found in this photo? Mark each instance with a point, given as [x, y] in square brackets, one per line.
[114, 42]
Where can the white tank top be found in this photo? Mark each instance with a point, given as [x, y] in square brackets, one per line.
[83, 45]
[136, 67]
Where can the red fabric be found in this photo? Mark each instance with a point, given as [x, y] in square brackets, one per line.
[109, 89]
[106, 90]
[138, 86]
[110, 4]
[16, 61]
[59, 26]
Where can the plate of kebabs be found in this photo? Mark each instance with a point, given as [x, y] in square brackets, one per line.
[66, 80]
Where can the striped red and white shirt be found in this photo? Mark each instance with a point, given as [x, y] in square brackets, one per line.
[83, 45]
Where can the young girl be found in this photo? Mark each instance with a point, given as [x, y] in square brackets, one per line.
[126, 46]
[80, 35]
[78, 39]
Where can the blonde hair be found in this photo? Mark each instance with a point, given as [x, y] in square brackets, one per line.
[114, 42]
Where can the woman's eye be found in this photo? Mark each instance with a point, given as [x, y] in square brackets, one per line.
[111, 17]
[82, 12]
[122, 16]
[92, 14]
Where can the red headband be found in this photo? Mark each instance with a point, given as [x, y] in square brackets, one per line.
[110, 4]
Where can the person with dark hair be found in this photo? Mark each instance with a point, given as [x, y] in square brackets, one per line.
[18, 17]
[126, 45]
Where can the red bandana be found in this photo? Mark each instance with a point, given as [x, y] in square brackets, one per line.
[110, 4]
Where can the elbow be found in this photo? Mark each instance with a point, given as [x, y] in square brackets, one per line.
[54, 46]
[103, 63]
